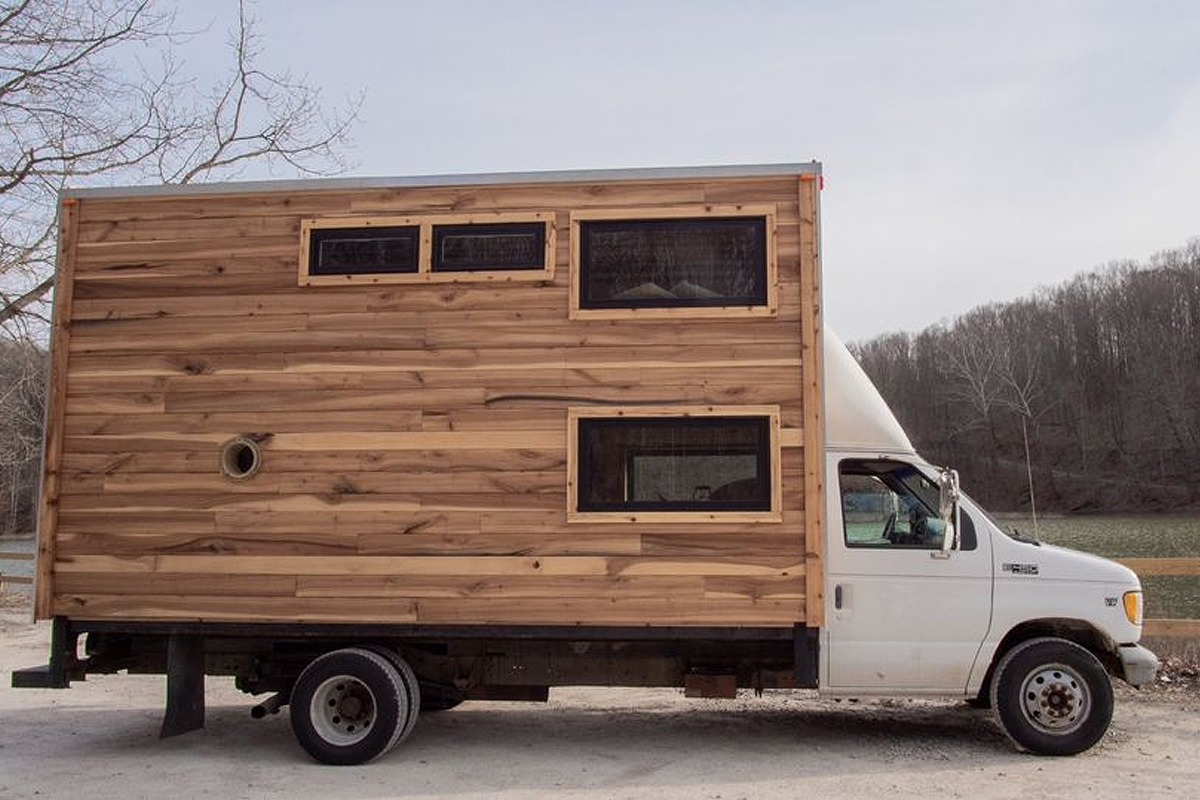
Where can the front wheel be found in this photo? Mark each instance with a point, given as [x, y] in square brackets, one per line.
[1052, 697]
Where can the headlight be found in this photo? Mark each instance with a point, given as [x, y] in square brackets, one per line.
[1133, 607]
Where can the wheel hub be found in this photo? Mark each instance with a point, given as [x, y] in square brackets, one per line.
[1054, 699]
[342, 710]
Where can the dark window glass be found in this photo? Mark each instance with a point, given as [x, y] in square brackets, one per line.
[356, 251]
[674, 464]
[460, 248]
[673, 262]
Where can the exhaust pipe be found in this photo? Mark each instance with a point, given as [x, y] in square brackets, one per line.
[269, 706]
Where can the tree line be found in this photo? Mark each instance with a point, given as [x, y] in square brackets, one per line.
[1088, 391]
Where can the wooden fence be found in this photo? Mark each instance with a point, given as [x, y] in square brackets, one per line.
[6, 579]
[1183, 628]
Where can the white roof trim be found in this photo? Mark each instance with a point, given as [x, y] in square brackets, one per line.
[476, 179]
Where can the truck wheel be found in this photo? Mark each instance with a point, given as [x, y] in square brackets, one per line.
[1052, 697]
[349, 706]
[416, 702]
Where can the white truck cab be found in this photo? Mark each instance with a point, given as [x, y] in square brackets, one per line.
[926, 595]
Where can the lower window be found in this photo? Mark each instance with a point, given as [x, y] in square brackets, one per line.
[711, 462]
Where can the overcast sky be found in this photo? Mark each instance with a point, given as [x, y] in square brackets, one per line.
[972, 152]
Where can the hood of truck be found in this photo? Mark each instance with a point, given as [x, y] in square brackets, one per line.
[856, 417]
[1018, 559]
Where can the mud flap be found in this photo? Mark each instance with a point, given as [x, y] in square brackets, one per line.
[185, 685]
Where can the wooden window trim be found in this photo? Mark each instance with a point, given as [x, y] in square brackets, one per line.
[425, 273]
[768, 211]
[575, 413]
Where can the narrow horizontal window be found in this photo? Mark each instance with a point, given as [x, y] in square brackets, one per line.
[673, 262]
[704, 463]
[466, 248]
[359, 251]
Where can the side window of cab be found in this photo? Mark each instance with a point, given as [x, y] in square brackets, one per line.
[890, 504]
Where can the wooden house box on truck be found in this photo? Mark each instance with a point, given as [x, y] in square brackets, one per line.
[377, 444]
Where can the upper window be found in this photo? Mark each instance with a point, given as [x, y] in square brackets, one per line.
[673, 263]
[891, 504]
[356, 251]
[427, 249]
[705, 462]
[463, 248]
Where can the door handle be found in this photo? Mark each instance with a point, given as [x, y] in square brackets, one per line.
[837, 596]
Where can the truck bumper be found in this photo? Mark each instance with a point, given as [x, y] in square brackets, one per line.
[1138, 665]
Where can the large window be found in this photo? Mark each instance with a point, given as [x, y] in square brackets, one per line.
[628, 465]
[673, 262]
[427, 249]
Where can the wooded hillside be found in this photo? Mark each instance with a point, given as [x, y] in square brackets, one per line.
[1102, 372]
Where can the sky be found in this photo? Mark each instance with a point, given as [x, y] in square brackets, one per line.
[972, 152]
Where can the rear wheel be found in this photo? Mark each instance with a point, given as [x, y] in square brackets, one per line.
[416, 698]
[1052, 697]
[349, 706]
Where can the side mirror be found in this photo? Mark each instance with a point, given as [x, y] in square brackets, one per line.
[948, 494]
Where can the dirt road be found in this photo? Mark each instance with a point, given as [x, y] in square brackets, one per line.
[98, 740]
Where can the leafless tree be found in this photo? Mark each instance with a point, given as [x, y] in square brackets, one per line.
[80, 104]
[22, 388]
[1089, 387]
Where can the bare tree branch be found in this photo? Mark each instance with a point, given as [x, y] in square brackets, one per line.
[72, 113]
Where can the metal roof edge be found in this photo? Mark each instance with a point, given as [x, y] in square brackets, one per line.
[466, 179]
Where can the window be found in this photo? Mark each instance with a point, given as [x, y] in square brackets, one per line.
[628, 465]
[427, 249]
[891, 504]
[355, 251]
[461, 248]
[673, 262]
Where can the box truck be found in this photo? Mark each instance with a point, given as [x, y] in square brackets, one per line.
[377, 447]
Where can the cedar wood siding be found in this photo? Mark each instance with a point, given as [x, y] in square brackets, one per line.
[414, 437]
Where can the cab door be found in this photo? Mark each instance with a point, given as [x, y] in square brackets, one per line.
[901, 614]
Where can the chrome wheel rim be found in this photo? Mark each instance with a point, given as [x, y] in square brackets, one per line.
[1055, 699]
[342, 710]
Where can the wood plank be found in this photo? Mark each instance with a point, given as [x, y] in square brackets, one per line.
[1162, 566]
[812, 402]
[546, 379]
[549, 589]
[56, 402]
[462, 566]
[244, 586]
[233, 608]
[646, 356]
[1174, 628]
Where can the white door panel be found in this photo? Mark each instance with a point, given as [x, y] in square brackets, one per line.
[902, 616]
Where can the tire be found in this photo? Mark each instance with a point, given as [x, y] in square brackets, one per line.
[416, 703]
[1052, 697]
[349, 706]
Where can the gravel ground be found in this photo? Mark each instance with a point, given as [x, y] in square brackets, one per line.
[98, 740]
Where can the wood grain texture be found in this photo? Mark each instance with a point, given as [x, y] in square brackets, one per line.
[813, 398]
[56, 402]
[414, 437]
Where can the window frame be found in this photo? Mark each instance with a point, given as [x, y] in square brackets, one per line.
[773, 460]
[425, 273]
[771, 279]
